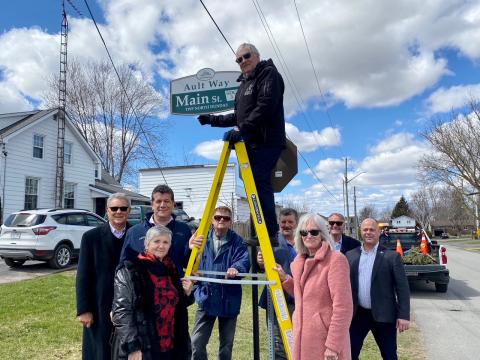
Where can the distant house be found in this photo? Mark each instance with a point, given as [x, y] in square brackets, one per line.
[192, 184]
[28, 144]
[403, 222]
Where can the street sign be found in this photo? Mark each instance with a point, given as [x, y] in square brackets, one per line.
[205, 92]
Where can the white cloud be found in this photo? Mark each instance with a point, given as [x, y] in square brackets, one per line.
[211, 150]
[388, 171]
[311, 141]
[388, 56]
[11, 100]
[295, 182]
[445, 100]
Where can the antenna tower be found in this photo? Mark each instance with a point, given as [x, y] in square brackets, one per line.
[62, 93]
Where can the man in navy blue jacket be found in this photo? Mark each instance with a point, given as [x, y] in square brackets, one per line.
[162, 205]
[224, 252]
[343, 243]
[260, 120]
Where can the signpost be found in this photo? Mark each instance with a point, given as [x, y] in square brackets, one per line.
[203, 93]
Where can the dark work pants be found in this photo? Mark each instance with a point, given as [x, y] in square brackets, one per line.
[385, 334]
[263, 161]
[202, 331]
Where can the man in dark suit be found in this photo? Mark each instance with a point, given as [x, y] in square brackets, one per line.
[381, 297]
[99, 257]
[343, 243]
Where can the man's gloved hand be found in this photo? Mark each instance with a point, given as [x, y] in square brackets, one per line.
[205, 119]
[232, 136]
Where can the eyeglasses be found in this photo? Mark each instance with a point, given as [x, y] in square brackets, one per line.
[220, 217]
[116, 208]
[313, 232]
[338, 223]
[246, 56]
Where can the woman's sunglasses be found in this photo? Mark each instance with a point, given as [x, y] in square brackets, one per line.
[313, 232]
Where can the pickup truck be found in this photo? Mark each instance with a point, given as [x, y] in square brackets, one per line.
[436, 272]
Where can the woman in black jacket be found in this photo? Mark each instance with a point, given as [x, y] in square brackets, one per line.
[150, 302]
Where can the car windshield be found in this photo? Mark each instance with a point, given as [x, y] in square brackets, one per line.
[24, 220]
[405, 238]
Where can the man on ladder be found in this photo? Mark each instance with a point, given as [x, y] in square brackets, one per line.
[260, 119]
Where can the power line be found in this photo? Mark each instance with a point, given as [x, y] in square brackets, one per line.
[75, 8]
[211, 17]
[288, 74]
[125, 92]
[313, 67]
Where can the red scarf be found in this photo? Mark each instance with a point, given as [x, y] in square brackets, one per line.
[165, 296]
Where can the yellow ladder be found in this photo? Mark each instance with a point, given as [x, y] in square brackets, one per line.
[276, 291]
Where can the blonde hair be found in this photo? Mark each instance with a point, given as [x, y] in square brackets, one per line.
[322, 226]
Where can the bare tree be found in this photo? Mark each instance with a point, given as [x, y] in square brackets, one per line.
[455, 160]
[423, 205]
[453, 209]
[121, 128]
[368, 211]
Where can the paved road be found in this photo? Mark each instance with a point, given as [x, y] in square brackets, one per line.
[450, 322]
[29, 270]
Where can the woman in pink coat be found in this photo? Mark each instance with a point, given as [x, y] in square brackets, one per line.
[323, 298]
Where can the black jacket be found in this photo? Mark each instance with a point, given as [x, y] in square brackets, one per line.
[258, 108]
[390, 294]
[134, 318]
[349, 243]
[99, 257]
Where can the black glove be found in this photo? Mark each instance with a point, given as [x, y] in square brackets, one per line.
[232, 136]
[205, 119]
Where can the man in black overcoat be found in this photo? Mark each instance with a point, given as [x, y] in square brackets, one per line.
[99, 256]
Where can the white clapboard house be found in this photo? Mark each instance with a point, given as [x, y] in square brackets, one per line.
[28, 144]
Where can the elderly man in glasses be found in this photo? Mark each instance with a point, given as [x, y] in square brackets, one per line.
[99, 256]
[225, 253]
[343, 243]
[261, 125]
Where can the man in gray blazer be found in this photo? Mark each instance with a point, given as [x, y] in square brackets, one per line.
[381, 297]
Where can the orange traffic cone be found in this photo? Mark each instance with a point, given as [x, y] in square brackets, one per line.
[423, 244]
[399, 248]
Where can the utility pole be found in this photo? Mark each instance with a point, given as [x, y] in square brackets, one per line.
[346, 180]
[355, 211]
[346, 199]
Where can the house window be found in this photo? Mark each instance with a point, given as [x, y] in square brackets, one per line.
[38, 146]
[31, 193]
[69, 196]
[67, 152]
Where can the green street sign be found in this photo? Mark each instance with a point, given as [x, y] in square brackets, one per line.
[203, 93]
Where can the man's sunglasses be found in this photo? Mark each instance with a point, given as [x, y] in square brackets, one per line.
[116, 208]
[338, 223]
[243, 57]
[314, 232]
[220, 217]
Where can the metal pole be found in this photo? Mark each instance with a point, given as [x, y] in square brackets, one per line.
[346, 199]
[253, 260]
[5, 153]
[477, 220]
[355, 211]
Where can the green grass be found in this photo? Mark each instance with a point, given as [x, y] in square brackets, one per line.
[37, 321]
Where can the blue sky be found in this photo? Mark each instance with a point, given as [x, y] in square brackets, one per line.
[385, 68]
